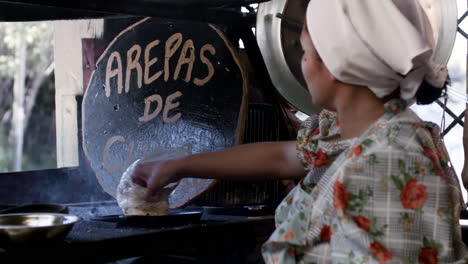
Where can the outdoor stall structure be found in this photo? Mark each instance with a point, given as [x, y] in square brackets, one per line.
[138, 78]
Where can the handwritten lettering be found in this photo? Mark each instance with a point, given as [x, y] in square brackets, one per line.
[149, 63]
[129, 158]
[207, 62]
[183, 59]
[111, 73]
[171, 105]
[130, 153]
[133, 63]
[148, 100]
[106, 162]
[141, 65]
[168, 106]
[172, 44]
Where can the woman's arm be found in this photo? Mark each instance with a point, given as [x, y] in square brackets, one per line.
[259, 161]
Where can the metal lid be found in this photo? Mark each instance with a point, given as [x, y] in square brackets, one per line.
[443, 16]
[278, 40]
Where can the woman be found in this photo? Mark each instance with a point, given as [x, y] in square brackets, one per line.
[377, 185]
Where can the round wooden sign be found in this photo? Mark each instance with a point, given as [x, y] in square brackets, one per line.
[163, 85]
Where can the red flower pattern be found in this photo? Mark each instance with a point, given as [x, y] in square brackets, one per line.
[318, 159]
[340, 196]
[434, 157]
[314, 133]
[363, 222]
[288, 235]
[355, 151]
[431, 154]
[321, 159]
[414, 195]
[438, 172]
[428, 255]
[291, 252]
[325, 233]
[275, 260]
[309, 157]
[380, 252]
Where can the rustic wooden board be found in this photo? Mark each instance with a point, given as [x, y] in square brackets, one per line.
[162, 85]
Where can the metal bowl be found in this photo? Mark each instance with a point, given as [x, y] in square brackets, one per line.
[36, 208]
[28, 228]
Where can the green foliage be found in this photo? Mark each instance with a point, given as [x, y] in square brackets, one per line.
[30, 161]
[38, 36]
[39, 51]
[6, 155]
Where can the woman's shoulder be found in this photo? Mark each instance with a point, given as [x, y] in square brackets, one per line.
[406, 132]
[406, 141]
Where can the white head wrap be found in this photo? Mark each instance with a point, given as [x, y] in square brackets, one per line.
[381, 44]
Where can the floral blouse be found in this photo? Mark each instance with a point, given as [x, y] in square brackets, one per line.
[389, 196]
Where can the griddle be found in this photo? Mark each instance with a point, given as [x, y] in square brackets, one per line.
[176, 217]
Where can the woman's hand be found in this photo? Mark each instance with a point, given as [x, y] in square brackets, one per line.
[155, 175]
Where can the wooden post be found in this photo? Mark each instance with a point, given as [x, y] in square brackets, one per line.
[69, 83]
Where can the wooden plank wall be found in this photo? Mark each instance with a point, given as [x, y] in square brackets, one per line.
[69, 83]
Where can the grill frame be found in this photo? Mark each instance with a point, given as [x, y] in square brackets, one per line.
[262, 125]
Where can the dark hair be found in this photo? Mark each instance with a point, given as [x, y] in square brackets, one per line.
[427, 94]
[304, 3]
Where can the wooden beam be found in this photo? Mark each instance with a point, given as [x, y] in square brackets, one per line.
[69, 83]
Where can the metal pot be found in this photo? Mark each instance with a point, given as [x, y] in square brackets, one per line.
[278, 40]
[29, 228]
